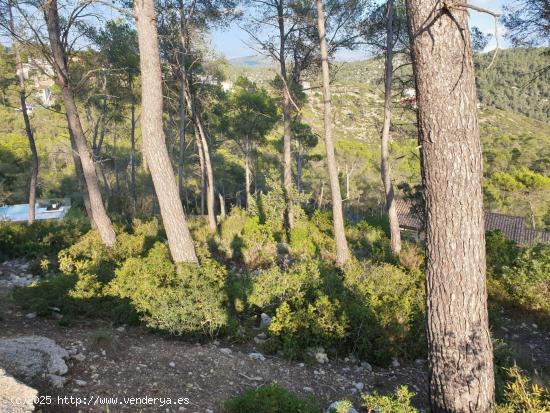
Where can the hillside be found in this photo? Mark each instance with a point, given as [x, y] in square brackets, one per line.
[513, 142]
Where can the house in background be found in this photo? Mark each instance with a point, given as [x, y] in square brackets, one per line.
[39, 73]
[411, 220]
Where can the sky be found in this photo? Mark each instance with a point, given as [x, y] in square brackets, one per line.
[232, 42]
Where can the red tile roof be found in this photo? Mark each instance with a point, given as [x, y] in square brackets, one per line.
[513, 227]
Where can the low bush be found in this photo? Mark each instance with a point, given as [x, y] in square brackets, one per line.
[270, 398]
[386, 308]
[309, 240]
[398, 402]
[523, 279]
[180, 299]
[42, 238]
[60, 292]
[374, 310]
[86, 267]
[521, 396]
[369, 242]
[243, 239]
[500, 251]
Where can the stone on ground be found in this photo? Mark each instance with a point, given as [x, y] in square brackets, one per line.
[15, 397]
[31, 357]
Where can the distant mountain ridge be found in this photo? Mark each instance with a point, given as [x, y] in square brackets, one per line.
[252, 61]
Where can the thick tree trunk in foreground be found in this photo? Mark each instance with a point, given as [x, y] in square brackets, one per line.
[385, 153]
[28, 130]
[154, 145]
[460, 350]
[342, 252]
[102, 221]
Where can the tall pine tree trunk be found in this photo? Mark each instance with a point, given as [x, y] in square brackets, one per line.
[210, 187]
[287, 120]
[101, 219]
[460, 350]
[182, 130]
[81, 180]
[385, 153]
[33, 182]
[247, 174]
[184, 39]
[202, 167]
[204, 155]
[342, 252]
[133, 189]
[154, 145]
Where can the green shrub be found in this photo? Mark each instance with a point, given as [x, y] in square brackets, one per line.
[369, 242]
[527, 280]
[273, 286]
[61, 291]
[412, 257]
[500, 252]
[244, 239]
[376, 310]
[270, 398]
[321, 323]
[523, 397]
[386, 307]
[41, 238]
[180, 299]
[398, 402]
[258, 248]
[307, 240]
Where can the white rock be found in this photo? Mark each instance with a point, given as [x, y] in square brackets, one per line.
[308, 389]
[81, 382]
[30, 316]
[32, 356]
[366, 366]
[338, 406]
[79, 357]
[172, 364]
[359, 386]
[57, 381]
[321, 356]
[257, 356]
[395, 363]
[11, 389]
[225, 350]
[265, 320]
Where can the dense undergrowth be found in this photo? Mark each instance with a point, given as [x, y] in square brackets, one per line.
[373, 308]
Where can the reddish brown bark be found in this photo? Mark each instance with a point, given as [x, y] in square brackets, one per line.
[460, 350]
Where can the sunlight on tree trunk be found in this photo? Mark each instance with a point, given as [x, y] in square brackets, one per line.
[460, 349]
[101, 219]
[33, 182]
[395, 233]
[342, 252]
[154, 145]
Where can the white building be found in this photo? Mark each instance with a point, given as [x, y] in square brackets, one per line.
[40, 73]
